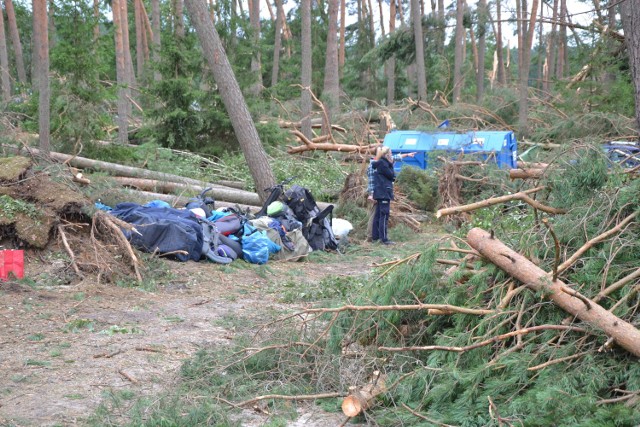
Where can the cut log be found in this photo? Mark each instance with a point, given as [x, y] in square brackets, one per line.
[526, 173]
[519, 267]
[531, 165]
[166, 187]
[360, 400]
[523, 196]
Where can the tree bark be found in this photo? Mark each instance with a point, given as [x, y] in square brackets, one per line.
[391, 62]
[331, 90]
[256, 60]
[5, 77]
[341, 48]
[562, 41]
[156, 41]
[459, 43]
[305, 96]
[139, 37]
[41, 47]
[516, 265]
[526, 173]
[121, 74]
[502, 79]
[419, 42]
[483, 12]
[232, 98]
[277, 45]
[523, 117]
[52, 24]
[178, 11]
[96, 16]
[15, 40]
[630, 14]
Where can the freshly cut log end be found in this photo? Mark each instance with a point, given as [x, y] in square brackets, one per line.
[352, 406]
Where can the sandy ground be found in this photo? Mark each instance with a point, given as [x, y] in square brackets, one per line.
[63, 347]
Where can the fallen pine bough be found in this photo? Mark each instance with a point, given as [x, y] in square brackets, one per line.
[519, 267]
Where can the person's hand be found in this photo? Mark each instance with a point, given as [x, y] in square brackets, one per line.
[370, 197]
[412, 154]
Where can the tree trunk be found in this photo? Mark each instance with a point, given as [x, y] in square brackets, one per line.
[381, 18]
[459, 42]
[52, 24]
[331, 90]
[359, 400]
[483, 12]
[552, 38]
[229, 195]
[156, 41]
[15, 40]
[519, 267]
[391, 62]
[419, 42]
[234, 103]
[139, 37]
[341, 49]
[562, 41]
[121, 75]
[502, 78]
[178, 11]
[277, 45]
[256, 60]
[130, 75]
[630, 15]
[41, 47]
[523, 118]
[5, 78]
[305, 101]
[96, 16]
[441, 28]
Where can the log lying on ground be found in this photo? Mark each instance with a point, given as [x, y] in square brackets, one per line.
[181, 201]
[120, 170]
[522, 196]
[360, 400]
[328, 146]
[519, 267]
[526, 173]
[531, 165]
[218, 193]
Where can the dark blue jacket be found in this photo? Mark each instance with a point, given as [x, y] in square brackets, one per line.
[384, 177]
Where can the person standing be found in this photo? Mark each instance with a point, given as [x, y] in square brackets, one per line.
[383, 178]
[371, 203]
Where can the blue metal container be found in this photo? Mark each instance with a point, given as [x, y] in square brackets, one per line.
[499, 146]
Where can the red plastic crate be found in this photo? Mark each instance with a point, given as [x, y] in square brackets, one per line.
[11, 264]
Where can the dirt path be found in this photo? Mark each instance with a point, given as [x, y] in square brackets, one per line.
[66, 348]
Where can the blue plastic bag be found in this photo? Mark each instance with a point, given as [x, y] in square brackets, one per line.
[255, 247]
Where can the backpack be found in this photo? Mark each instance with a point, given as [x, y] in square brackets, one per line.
[301, 202]
[229, 224]
[318, 230]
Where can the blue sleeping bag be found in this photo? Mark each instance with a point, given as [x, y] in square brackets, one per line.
[162, 230]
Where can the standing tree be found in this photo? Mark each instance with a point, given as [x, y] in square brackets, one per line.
[305, 101]
[525, 64]
[15, 39]
[459, 42]
[278, 44]
[41, 48]
[331, 90]
[256, 62]
[121, 74]
[232, 98]
[482, 30]
[421, 75]
[5, 78]
[391, 62]
[630, 14]
[155, 41]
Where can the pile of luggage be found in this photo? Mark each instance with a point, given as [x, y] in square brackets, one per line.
[288, 227]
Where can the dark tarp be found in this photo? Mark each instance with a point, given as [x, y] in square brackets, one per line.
[162, 230]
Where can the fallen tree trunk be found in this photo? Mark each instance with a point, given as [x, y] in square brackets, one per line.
[526, 173]
[121, 170]
[519, 267]
[359, 400]
[166, 187]
[531, 165]
[328, 146]
[523, 196]
[181, 201]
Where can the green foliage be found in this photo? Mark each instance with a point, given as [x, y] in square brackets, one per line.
[420, 186]
[10, 207]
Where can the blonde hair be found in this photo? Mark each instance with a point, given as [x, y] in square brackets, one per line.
[382, 151]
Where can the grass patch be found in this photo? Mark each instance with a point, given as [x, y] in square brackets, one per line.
[34, 362]
[36, 337]
[78, 325]
[115, 329]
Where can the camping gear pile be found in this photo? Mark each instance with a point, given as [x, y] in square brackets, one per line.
[288, 227]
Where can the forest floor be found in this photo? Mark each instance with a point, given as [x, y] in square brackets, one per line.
[65, 349]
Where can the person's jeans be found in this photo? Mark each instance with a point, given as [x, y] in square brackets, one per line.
[381, 220]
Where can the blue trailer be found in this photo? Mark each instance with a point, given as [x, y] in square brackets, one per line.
[499, 146]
